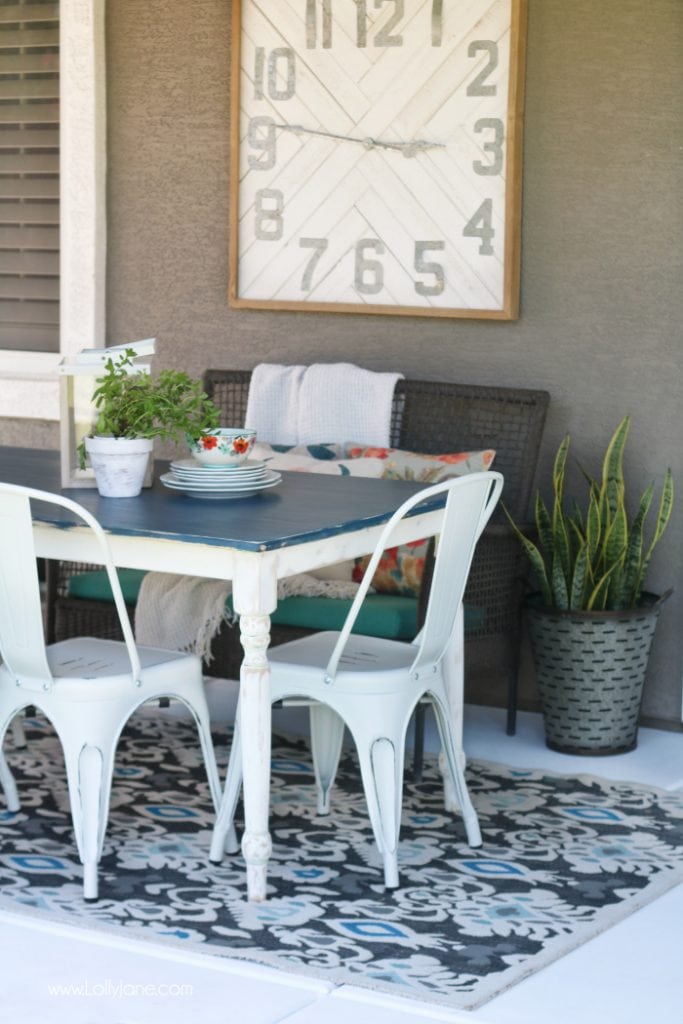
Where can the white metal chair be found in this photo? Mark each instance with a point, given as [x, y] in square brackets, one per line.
[372, 685]
[87, 688]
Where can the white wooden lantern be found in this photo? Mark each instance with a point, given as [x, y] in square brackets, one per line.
[77, 412]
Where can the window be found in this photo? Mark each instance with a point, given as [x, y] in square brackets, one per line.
[29, 175]
[28, 375]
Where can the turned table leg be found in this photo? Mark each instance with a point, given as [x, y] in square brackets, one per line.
[255, 725]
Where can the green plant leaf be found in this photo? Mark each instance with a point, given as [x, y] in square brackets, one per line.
[598, 597]
[665, 507]
[593, 524]
[633, 566]
[576, 530]
[543, 525]
[614, 546]
[663, 515]
[558, 583]
[577, 536]
[613, 552]
[559, 469]
[536, 559]
[561, 546]
[600, 565]
[595, 562]
[579, 579]
[577, 516]
[538, 568]
[616, 591]
[613, 465]
[559, 550]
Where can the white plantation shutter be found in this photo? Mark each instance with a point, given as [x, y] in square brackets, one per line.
[29, 175]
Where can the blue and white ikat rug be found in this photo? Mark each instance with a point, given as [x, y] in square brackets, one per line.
[563, 859]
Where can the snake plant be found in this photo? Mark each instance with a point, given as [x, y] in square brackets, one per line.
[595, 559]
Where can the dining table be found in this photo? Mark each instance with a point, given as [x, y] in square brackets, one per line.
[307, 521]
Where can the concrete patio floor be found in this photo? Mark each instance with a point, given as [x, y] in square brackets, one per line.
[626, 975]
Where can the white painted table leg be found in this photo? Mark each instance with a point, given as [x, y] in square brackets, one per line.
[255, 725]
[254, 594]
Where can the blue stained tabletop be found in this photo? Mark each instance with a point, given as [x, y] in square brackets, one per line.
[304, 507]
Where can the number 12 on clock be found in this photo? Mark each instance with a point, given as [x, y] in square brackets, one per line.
[376, 156]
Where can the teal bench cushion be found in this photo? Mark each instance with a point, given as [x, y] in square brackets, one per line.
[392, 616]
[94, 585]
[386, 615]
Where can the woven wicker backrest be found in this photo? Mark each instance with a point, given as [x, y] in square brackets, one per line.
[436, 417]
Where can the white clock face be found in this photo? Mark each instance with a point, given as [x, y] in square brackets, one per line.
[377, 159]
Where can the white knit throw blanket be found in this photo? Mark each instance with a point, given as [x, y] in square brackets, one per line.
[342, 402]
[320, 403]
[184, 613]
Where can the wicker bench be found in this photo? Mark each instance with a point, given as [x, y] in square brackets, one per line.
[430, 417]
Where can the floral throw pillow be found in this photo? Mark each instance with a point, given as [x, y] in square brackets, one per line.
[315, 458]
[400, 569]
[428, 469]
[324, 452]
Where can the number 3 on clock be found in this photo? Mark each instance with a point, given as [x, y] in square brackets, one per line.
[376, 156]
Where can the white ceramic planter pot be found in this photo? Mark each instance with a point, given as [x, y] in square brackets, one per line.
[119, 464]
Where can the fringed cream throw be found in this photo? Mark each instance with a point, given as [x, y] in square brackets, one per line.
[184, 613]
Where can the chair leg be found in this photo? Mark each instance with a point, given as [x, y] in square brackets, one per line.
[450, 797]
[18, 735]
[381, 765]
[199, 709]
[453, 675]
[453, 761]
[419, 741]
[224, 839]
[8, 786]
[200, 713]
[327, 736]
[85, 769]
[89, 745]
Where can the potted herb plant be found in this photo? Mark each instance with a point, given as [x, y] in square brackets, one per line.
[133, 409]
[592, 622]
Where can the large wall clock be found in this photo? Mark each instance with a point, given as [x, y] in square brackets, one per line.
[376, 156]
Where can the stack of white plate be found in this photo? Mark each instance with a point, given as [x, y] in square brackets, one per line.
[220, 482]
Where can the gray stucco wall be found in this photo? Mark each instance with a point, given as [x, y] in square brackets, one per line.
[602, 266]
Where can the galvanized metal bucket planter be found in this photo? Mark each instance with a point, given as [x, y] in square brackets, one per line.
[590, 670]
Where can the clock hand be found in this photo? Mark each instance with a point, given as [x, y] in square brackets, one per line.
[408, 149]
